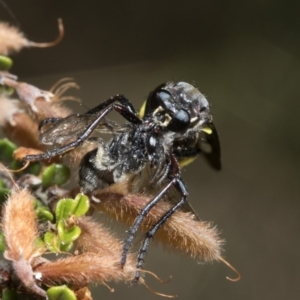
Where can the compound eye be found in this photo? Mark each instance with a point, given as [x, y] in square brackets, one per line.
[180, 121]
[165, 97]
[157, 98]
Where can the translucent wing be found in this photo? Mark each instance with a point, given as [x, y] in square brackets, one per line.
[209, 145]
[62, 131]
[206, 143]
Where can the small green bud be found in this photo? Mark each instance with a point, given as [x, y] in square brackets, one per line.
[81, 205]
[5, 63]
[60, 293]
[2, 242]
[56, 174]
[67, 235]
[6, 150]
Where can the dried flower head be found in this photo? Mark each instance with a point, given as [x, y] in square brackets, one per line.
[55, 107]
[17, 125]
[20, 118]
[13, 40]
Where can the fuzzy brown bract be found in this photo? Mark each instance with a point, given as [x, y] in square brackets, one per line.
[19, 225]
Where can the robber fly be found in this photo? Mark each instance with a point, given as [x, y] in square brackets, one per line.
[173, 126]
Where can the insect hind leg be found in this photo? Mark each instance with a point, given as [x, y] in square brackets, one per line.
[143, 213]
[179, 184]
[118, 103]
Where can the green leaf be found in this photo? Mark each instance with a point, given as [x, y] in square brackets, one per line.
[3, 194]
[15, 164]
[9, 295]
[34, 168]
[81, 205]
[5, 63]
[6, 150]
[67, 207]
[52, 242]
[67, 235]
[39, 243]
[44, 214]
[2, 184]
[37, 204]
[60, 293]
[2, 242]
[66, 247]
[56, 174]
[6, 90]
[64, 209]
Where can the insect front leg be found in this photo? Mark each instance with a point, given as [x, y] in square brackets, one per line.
[118, 103]
[62, 150]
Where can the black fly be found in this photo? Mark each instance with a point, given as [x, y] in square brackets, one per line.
[174, 126]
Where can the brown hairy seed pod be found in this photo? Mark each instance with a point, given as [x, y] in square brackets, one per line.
[198, 239]
[99, 261]
[19, 226]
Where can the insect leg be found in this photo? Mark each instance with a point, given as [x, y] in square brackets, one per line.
[174, 175]
[48, 121]
[143, 213]
[179, 184]
[126, 109]
[118, 103]
[72, 145]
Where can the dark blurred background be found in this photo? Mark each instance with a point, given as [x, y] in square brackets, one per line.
[245, 57]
